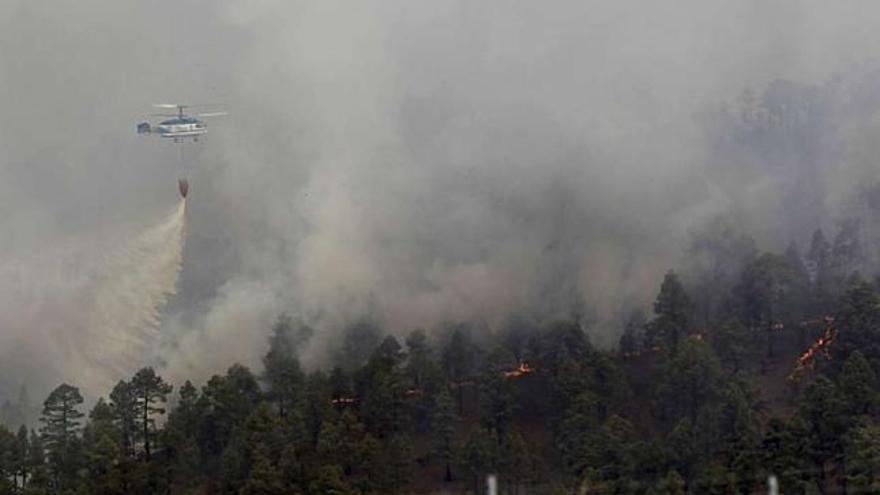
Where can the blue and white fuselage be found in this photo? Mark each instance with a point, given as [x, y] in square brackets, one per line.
[181, 127]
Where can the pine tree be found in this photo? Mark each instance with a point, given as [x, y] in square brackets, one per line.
[632, 339]
[389, 355]
[458, 363]
[37, 482]
[20, 458]
[318, 407]
[264, 478]
[398, 455]
[150, 393]
[858, 385]
[610, 384]
[103, 451]
[8, 447]
[329, 438]
[863, 458]
[847, 254]
[671, 484]
[329, 480]
[478, 455]
[61, 424]
[233, 465]
[443, 425]
[716, 257]
[819, 269]
[291, 467]
[577, 433]
[858, 324]
[340, 386]
[818, 258]
[562, 343]
[782, 453]
[734, 346]
[226, 402]
[186, 413]
[370, 463]
[179, 438]
[771, 292]
[359, 340]
[382, 387]
[737, 438]
[685, 452]
[690, 381]
[515, 462]
[339, 439]
[672, 311]
[518, 330]
[794, 258]
[497, 401]
[821, 411]
[715, 479]
[36, 452]
[104, 459]
[122, 403]
[418, 357]
[614, 451]
[282, 373]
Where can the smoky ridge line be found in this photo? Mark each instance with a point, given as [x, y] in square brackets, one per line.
[410, 163]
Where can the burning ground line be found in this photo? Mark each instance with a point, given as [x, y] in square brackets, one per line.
[807, 360]
[522, 369]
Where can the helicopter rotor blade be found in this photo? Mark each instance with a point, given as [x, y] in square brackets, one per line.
[167, 105]
[212, 114]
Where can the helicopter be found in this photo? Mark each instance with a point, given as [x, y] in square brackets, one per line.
[180, 126]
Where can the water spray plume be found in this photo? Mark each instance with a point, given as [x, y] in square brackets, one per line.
[139, 279]
[90, 309]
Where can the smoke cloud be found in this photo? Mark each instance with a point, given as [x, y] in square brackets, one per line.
[420, 162]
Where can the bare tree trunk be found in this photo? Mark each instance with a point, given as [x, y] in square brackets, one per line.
[146, 428]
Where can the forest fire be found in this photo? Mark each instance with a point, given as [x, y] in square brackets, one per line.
[807, 359]
[522, 369]
[348, 401]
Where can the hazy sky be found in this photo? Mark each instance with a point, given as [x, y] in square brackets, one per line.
[420, 161]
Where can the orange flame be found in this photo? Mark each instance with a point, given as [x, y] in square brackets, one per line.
[807, 359]
[522, 369]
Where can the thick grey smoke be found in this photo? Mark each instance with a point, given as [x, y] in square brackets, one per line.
[424, 161]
